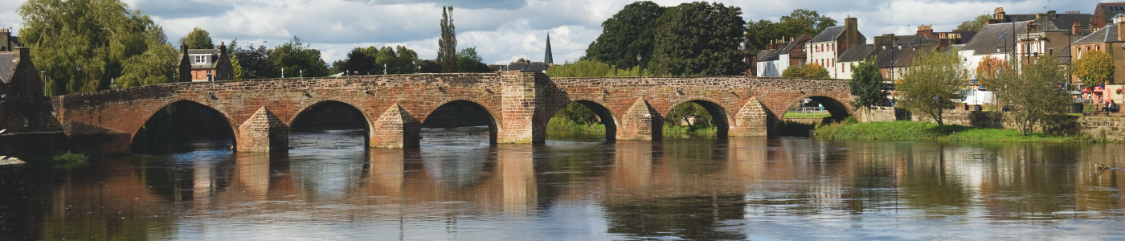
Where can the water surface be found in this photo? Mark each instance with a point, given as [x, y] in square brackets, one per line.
[577, 187]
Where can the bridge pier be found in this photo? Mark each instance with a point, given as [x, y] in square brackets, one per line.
[396, 128]
[641, 122]
[519, 121]
[263, 132]
[751, 120]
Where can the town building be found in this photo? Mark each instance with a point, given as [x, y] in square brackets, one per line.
[1074, 22]
[852, 57]
[198, 65]
[998, 40]
[1109, 39]
[780, 54]
[826, 47]
[1105, 13]
[22, 95]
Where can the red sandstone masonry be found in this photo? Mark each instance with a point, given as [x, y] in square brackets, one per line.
[520, 103]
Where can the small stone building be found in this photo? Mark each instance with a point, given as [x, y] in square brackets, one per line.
[24, 108]
[205, 64]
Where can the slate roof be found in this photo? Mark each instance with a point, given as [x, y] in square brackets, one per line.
[215, 54]
[830, 34]
[857, 53]
[901, 58]
[912, 40]
[993, 36]
[774, 54]
[528, 67]
[1061, 21]
[1105, 34]
[7, 66]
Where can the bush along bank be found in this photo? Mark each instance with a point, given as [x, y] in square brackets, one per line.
[924, 131]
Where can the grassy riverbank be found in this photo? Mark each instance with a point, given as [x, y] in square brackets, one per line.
[918, 131]
[669, 130]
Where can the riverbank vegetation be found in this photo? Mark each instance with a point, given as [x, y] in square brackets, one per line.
[687, 119]
[924, 131]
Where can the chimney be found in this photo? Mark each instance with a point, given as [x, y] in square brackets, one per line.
[925, 30]
[851, 33]
[222, 48]
[25, 54]
[884, 40]
[183, 47]
[1120, 34]
[1076, 28]
[999, 14]
[5, 37]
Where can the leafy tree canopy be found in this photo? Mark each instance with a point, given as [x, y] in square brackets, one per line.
[254, 62]
[699, 38]
[108, 40]
[867, 85]
[1094, 68]
[808, 71]
[989, 70]
[357, 62]
[398, 60]
[198, 39]
[1031, 93]
[468, 61]
[626, 35]
[298, 59]
[975, 24]
[931, 84]
[800, 21]
[590, 68]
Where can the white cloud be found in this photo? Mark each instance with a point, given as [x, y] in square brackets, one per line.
[505, 30]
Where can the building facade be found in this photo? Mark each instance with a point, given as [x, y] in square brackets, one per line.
[198, 65]
[828, 45]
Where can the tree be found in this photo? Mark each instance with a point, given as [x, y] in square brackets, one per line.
[357, 62]
[800, 21]
[590, 68]
[699, 39]
[447, 44]
[975, 24]
[1094, 68]
[401, 61]
[808, 71]
[298, 59]
[989, 70]
[932, 83]
[198, 39]
[430, 66]
[867, 85]
[236, 67]
[105, 38]
[468, 61]
[255, 62]
[628, 34]
[1031, 93]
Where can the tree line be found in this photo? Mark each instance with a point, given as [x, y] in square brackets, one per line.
[90, 45]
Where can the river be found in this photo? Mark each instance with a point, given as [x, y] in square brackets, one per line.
[577, 187]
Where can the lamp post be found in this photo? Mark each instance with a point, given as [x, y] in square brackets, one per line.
[640, 69]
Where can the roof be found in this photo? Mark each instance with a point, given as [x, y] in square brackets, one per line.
[996, 36]
[1061, 21]
[829, 34]
[901, 57]
[857, 53]
[7, 66]
[528, 67]
[775, 53]
[1105, 34]
[215, 54]
[912, 40]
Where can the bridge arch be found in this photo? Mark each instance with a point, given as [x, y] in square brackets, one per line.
[719, 117]
[491, 118]
[308, 113]
[604, 114]
[228, 127]
[838, 109]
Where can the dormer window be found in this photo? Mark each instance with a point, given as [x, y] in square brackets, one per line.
[200, 59]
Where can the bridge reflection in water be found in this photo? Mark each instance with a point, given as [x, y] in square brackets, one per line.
[694, 188]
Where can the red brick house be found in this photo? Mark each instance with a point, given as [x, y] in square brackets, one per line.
[205, 64]
[24, 108]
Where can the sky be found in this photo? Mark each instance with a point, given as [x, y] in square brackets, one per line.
[506, 30]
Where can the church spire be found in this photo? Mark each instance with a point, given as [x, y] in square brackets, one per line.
[548, 59]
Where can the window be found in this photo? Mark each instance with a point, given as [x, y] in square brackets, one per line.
[1097, 48]
[25, 122]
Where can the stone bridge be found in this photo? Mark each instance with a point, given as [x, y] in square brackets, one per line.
[518, 105]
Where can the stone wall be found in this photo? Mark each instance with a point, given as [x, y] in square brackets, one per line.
[1109, 128]
[518, 105]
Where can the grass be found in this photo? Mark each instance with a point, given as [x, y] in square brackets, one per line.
[918, 131]
[795, 114]
[695, 130]
[566, 124]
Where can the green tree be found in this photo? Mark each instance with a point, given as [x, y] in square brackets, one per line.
[468, 61]
[357, 62]
[699, 39]
[198, 39]
[236, 68]
[590, 68]
[430, 66]
[932, 83]
[683, 111]
[867, 85]
[105, 38]
[800, 21]
[255, 63]
[808, 71]
[298, 59]
[398, 60]
[626, 35]
[1031, 94]
[975, 24]
[447, 44]
[1094, 68]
